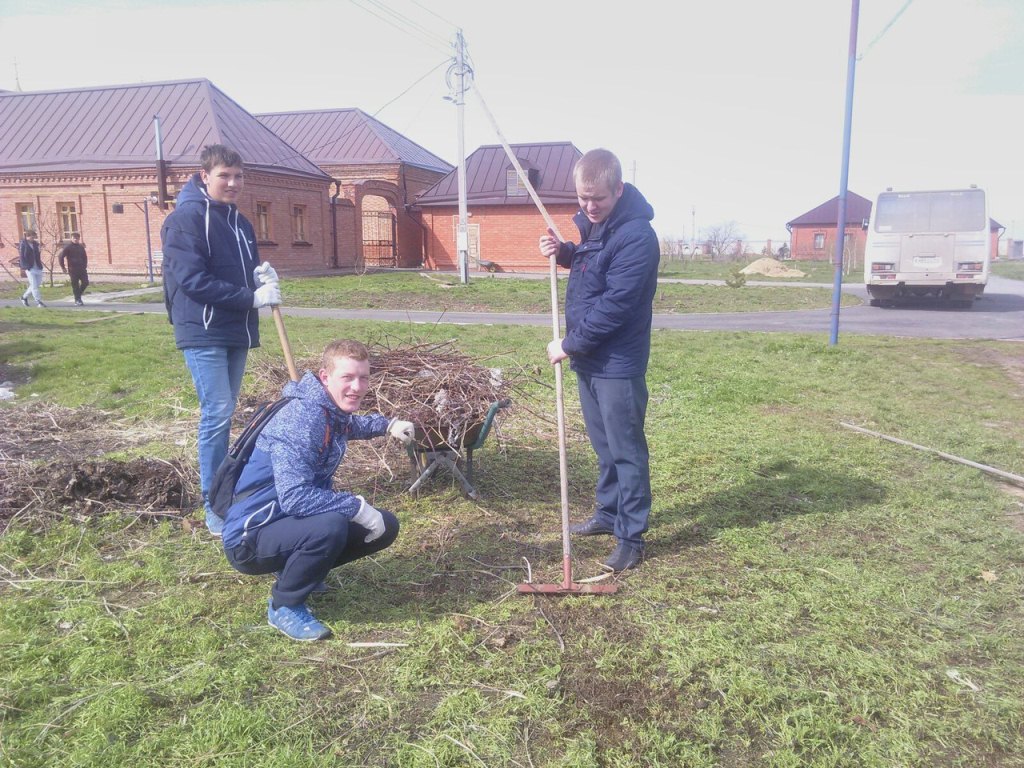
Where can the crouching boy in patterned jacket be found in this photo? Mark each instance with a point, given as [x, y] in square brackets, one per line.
[286, 519]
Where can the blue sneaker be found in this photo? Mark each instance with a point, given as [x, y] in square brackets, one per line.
[214, 524]
[298, 623]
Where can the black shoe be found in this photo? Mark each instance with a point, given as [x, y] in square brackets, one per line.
[79, 303]
[40, 304]
[24, 301]
[592, 527]
[624, 557]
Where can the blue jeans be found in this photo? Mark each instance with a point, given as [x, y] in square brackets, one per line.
[613, 412]
[35, 279]
[217, 375]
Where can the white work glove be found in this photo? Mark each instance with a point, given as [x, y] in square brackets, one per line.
[404, 431]
[264, 274]
[266, 295]
[369, 518]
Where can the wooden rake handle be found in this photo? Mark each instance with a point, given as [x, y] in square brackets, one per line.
[293, 372]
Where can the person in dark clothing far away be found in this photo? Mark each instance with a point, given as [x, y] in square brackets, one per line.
[30, 259]
[286, 518]
[214, 286]
[74, 261]
[608, 312]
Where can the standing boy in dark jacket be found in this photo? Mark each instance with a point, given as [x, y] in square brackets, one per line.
[213, 286]
[608, 312]
[75, 262]
[286, 518]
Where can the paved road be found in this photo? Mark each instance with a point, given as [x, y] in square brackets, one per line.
[998, 314]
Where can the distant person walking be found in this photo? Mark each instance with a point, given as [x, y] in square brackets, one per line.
[213, 286]
[30, 259]
[74, 261]
[608, 314]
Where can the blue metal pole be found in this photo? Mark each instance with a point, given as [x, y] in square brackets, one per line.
[837, 285]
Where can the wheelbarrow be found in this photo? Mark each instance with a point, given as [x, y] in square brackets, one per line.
[428, 455]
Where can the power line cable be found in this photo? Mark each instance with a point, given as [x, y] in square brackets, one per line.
[434, 13]
[430, 41]
[885, 29]
[401, 17]
[420, 80]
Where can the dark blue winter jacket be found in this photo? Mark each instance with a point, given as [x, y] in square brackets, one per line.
[209, 255]
[612, 282]
[295, 458]
[29, 256]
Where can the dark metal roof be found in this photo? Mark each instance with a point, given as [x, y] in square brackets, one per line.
[111, 127]
[857, 209]
[349, 137]
[486, 176]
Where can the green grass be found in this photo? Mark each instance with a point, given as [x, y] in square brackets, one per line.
[814, 271]
[1011, 269]
[61, 288]
[813, 596]
[444, 292]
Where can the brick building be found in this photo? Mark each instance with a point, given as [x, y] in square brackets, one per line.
[86, 160]
[378, 172]
[813, 234]
[504, 223]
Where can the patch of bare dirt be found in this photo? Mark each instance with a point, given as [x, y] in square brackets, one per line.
[53, 461]
[1006, 357]
[1015, 516]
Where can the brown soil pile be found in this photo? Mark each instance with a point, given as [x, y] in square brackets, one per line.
[51, 464]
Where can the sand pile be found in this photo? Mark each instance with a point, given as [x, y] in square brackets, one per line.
[770, 268]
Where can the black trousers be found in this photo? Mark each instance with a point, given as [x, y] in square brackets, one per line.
[79, 282]
[303, 550]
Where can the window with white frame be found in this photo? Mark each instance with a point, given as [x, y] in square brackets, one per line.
[26, 218]
[299, 223]
[263, 222]
[68, 216]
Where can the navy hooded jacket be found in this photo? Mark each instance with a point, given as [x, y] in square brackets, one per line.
[292, 466]
[209, 255]
[612, 281]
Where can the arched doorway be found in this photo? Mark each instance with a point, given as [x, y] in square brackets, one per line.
[379, 227]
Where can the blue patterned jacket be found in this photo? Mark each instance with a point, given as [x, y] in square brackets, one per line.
[296, 455]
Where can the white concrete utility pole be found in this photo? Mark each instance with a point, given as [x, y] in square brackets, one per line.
[462, 236]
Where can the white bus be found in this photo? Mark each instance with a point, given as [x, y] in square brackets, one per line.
[932, 243]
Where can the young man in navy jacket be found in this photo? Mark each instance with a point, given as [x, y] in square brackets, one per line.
[608, 312]
[286, 517]
[213, 286]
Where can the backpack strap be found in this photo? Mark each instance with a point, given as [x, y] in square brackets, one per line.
[327, 430]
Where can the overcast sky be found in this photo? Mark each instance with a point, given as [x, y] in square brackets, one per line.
[720, 110]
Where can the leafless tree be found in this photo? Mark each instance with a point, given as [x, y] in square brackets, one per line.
[722, 239]
[51, 239]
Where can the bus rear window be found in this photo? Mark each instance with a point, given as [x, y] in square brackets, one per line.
[961, 210]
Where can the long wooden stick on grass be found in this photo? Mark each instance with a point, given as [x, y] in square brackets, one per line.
[1017, 479]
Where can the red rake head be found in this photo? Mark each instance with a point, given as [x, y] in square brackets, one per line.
[572, 588]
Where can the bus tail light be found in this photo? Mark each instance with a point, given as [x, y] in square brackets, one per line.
[877, 267]
[970, 266]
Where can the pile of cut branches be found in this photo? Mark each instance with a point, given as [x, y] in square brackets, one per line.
[445, 393]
